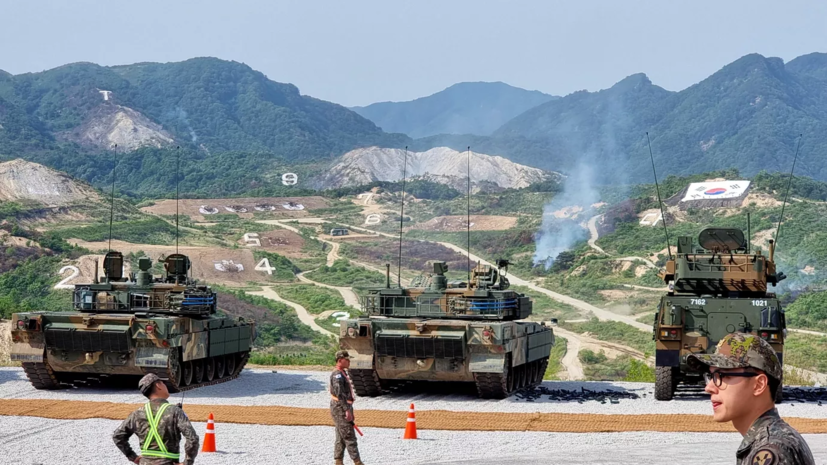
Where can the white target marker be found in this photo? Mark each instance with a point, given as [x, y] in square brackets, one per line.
[289, 179]
[264, 265]
[339, 316]
[62, 284]
[373, 218]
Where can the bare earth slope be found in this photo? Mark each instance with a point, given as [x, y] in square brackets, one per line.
[112, 124]
[440, 164]
[23, 180]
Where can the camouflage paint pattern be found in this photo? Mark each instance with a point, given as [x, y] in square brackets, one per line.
[131, 327]
[714, 291]
[433, 333]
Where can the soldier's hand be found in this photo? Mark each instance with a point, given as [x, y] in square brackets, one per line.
[349, 415]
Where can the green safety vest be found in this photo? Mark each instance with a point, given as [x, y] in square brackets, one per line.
[153, 435]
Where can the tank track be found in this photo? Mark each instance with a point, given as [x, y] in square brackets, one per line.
[366, 383]
[167, 376]
[41, 375]
[502, 385]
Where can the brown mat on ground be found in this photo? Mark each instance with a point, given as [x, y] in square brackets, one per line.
[427, 419]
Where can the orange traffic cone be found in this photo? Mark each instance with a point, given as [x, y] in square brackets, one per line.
[410, 428]
[209, 436]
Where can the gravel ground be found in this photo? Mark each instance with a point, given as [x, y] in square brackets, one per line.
[22, 442]
[309, 389]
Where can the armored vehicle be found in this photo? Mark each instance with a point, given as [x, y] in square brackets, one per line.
[713, 290]
[441, 331]
[132, 326]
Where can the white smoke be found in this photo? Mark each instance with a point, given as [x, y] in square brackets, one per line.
[182, 116]
[558, 234]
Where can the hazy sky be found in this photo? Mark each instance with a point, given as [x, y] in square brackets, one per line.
[360, 52]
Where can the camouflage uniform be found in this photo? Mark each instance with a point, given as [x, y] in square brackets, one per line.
[770, 440]
[341, 401]
[171, 426]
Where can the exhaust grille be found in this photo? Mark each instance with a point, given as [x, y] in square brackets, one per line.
[87, 341]
[419, 347]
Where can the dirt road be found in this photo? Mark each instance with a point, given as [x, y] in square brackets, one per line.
[593, 235]
[350, 297]
[302, 312]
[571, 361]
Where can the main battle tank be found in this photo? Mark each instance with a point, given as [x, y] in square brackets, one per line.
[441, 331]
[133, 326]
[715, 290]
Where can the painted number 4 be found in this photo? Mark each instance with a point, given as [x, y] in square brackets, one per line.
[264, 265]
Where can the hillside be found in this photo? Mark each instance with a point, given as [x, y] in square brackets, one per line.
[464, 108]
[25, 181]
[441, 164]
[746, 116]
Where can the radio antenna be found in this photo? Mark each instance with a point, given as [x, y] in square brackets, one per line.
[468, 218]
[401, 218]
[789, 183]
[660, 202]
[112, 200]
[177, 181]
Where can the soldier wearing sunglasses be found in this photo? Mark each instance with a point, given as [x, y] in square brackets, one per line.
[743, 377]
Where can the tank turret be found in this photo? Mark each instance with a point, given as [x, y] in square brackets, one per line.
[486, 296]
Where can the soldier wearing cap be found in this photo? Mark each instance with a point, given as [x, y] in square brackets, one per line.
[341, 409]
[159, 426]
[743, 377]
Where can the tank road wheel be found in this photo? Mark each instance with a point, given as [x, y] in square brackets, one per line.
[219, 366]
[229, 361]
[186, 374]
[366, 383]
[664, 383]
[41, 375]
[198, 371]
[209, 368]
[496, 385]
[175, 371]
[242, 360]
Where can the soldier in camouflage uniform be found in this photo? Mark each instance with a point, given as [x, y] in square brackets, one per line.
[159, 426]
[742, 377]
[341, 409]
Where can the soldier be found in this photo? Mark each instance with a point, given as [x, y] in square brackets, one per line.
[743, 377]
[159, 426]
[341, 409]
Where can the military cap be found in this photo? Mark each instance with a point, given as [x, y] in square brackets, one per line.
[342, 354]
[146, 383]
[740, 350]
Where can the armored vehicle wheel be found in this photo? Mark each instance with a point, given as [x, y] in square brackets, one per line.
[198, 371]
[229, 361]
[366, 383]
[41, 375]
[496, 385]
[219, 366]
[186, 375]
[209, 368]
[242, 360]
[175, 370]
[664, 383]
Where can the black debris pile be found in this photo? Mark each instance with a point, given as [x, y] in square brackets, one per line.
[566, 395]
[805, 394]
